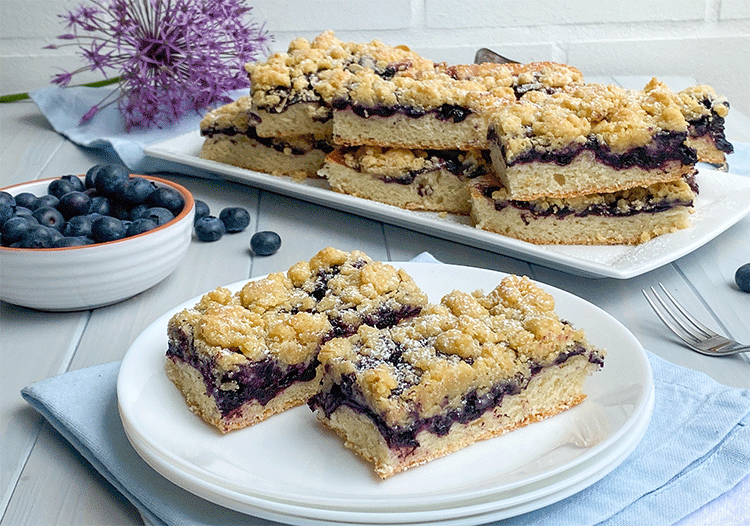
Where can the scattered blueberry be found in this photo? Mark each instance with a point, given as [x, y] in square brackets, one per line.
[139, 226]
[235, 219]
[166, 197]
[59, 187]
[209, 228]
[265, 243]
[51, 217]
[742, 277]
[26, 200]
[201, 210]
[107, 228]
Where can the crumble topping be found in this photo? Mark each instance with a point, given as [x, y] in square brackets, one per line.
[286, 316]
[619, 118]
[376, 160]
[320, 70]
[235, 115]
[467, 343]
[624, 201]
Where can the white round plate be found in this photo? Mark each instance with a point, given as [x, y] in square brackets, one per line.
[292, 469]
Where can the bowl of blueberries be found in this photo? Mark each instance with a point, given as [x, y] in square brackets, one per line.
[84, 241]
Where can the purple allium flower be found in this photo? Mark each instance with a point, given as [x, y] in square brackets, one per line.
[170, 56]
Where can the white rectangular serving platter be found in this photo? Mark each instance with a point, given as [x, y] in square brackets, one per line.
[724, 200]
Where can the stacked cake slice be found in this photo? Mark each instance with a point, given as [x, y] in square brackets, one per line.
[590, 164]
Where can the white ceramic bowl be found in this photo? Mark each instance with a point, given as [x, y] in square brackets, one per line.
[85, 277]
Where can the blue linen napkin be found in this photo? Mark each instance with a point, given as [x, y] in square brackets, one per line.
[64, 107]
[696, 449]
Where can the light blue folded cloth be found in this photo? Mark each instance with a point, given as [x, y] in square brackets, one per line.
[696, 449]
[64, 107]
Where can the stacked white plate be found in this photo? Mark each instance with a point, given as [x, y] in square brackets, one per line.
[292, 470]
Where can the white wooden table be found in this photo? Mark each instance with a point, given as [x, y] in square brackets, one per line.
[44, 481]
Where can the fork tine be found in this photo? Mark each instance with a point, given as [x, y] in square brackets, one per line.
[689, 317]
[669, 319]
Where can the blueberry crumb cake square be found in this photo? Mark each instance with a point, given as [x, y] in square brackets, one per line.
[239, 358]
[470, 368]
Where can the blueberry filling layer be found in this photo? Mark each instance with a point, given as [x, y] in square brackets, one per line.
[536, 210]
[269, 142]
[260, 381]
[474, 404]
[444, 112]
[713, 126]
[665, 146]
[442, 160]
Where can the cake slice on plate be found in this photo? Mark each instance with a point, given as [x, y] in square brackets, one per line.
[239, 358]
[473, 367]
[631, 216]
[231, 138]
[432, 180]
[590, 139]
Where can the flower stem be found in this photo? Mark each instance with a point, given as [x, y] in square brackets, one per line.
[97, 84]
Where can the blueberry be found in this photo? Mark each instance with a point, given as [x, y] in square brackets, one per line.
[265, 243]
[167, 197]
[201, 210]
[6, 212]
[107, 228]
[7, 199]
[78, 226]
[39, 237]
[74, 203]
[60, 187]
[100, 205]
[14, 229]
[119, 209]
[26, 200]
[138, 211]
[235, 219]
[91, 175]
[76, 241]
[138, 190]
[161, 216]
[46, 200]
[742, 277]
[139, 226]
[22, 211]
[209, 228]
[77, 182]
[51, 217]
[111, 180]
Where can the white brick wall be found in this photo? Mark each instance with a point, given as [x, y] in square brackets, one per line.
[708, 40]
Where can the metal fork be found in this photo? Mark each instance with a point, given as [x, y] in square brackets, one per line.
[696, 335]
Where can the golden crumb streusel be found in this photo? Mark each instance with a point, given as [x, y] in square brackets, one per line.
[376, 160]
[467, 343]
[237, 115]
[620, 118]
